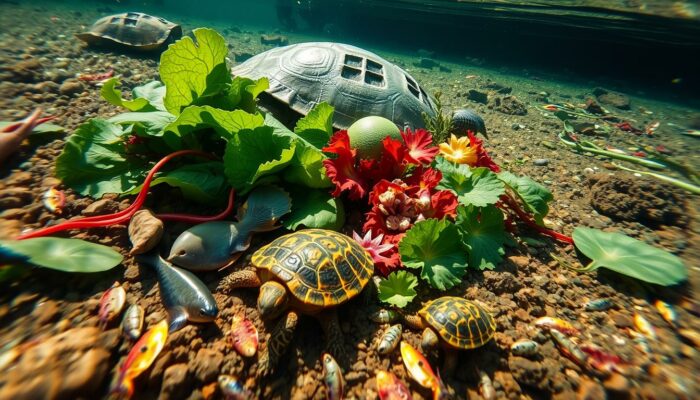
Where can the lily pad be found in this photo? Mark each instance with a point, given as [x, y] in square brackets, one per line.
[398, 289]
[67, 255]
[628, 256]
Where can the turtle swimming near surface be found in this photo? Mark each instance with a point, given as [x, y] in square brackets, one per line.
[132, 30]
[356, 82]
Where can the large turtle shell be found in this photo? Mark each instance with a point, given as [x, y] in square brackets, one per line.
[320, 267]
[133, 29]
[459, 322]
[356, 82]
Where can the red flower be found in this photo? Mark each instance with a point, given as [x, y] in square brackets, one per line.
[424, 178]
[341, 170]
[420, 146]
[443, 204]
[482, 157]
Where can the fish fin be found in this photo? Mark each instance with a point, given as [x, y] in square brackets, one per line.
[152, 258]
[178, 319]
[263, 208]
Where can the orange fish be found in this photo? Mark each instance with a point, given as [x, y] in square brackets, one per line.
[111, 303]
[54, 200]
[421, 372]
[389, 387]
[245, 336]
[96, 77]
[644, 327]
[140, 358]
[556, 323]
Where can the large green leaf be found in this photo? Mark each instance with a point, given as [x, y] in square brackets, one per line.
[398, 289]
[148, 97]
[242, 94]
[431, 246]
[629, 256]
[192, 72]
[152, 123]
[252, 154]
[535, 196]
[314, 209]
[225, 123]
[317, 126]
[483, 233]
[94, 160]
[68, 255]
[478, 186]
[202, 182]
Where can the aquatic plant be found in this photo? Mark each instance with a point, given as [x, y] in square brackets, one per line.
[441, 123]
[398, 288]
[67, 255]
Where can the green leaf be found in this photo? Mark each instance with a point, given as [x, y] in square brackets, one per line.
[194, 72]
[153, 122]
[93, 161]
[431, 246]
[68, 255]
[252, 154]
[478, 186]
[629, 256]
[243, 92]
[483, 233]
[148, 97]
[535, 196]
[317, 126]
[398, 288]
[225, 123]
[201, 182]
[314, 209]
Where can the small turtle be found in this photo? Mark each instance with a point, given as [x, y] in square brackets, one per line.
[455, 323]
[133, 30]
[310, 272]
[356, 82]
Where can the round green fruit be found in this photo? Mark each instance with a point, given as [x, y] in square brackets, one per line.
[366, 135]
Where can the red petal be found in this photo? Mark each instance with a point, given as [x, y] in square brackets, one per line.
[482, 157]
[381, 187]
[340, 145]
[423, 178]
[443, 203]
[376, 222]
[420, 146]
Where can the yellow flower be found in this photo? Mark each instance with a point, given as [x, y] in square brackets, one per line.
[457, 150]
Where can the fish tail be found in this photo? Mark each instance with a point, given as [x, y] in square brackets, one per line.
[263, 209]
[123, 388]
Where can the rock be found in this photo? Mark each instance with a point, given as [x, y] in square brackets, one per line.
[540, 162]
[499, 88]
[426, 62]
[477, 96]
[501, 282]
[58, 75]
[46, 87]
[69, 365]
[100, 207]
[527, 372]
[242, 56]
[617, 384]
[45, 312]
[206, 365]
[15, 197]
[71, 87]
[519, 261]
[27, 71]
[593, 107]
[274, 40]
[10, 228]
[508, 105]
[23, 178]
[177, 382]
[617, 100]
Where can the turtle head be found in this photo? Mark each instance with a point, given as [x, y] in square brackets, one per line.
[272, 299]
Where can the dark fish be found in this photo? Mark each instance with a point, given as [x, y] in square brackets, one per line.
[599, 305]
[466, 119]
[184, 296]
[214, 245]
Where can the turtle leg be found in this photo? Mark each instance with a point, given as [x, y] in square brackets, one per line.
[239, 279]
[280, 338]
[334, 336]
[449, 363]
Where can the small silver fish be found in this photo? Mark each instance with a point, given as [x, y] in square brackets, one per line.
[524, 348]
[569, 348]
[488, 392]
[111, 303]
[184, 296]
[233, 389]
[332, 377]
[599, 305]
[214, 245]
[132, 324]
[390, 339]
[384, 316]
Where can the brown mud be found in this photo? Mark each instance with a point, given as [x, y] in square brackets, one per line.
[59, 312]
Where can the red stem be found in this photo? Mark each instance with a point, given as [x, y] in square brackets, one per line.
[196, 219]
[121, 216]
[513, 205]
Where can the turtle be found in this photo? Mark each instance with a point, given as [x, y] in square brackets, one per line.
[455, 324]
[133, 30]
[356, 82]
[309, 271]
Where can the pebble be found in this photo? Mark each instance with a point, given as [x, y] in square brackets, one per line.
[540, 162]
[616, 383]
[176, 382]
[207, 364]
[102, 206]
[71, 87]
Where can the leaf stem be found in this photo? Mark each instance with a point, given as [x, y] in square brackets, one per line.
[588, 147]
[513, 205]
[676, 182]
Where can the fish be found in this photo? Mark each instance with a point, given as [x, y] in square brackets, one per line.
[644, 327]
[140, 358]
[524, 348]
[652, 127]
[111, 303]
[54, 200]
[96, 77]
[556, 323]
[568, 348]
[418, 367]
[132, 323]
[389, 387]
[184, 296]
[217, 244]
[599, 305]
[245, 336]
[488, 392]
[384, 316]
[641, 341]
[603, 361]
[332, 377]
[233, 389]
[668, 313]
[390, 339]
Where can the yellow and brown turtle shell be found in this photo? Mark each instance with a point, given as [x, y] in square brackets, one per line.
[320, 267]
[459, 322]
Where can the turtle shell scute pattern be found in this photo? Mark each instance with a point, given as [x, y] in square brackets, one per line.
[461, 323]
[320, 267]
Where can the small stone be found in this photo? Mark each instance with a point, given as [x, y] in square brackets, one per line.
[103, 206]
[616, 100]
[540, 162]
[45, 312]
[477, 96]
[590, 390]
[274, 40]
[207, 364]
[71, 87]
[616, 383]
[520, 261]
[176, 382]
